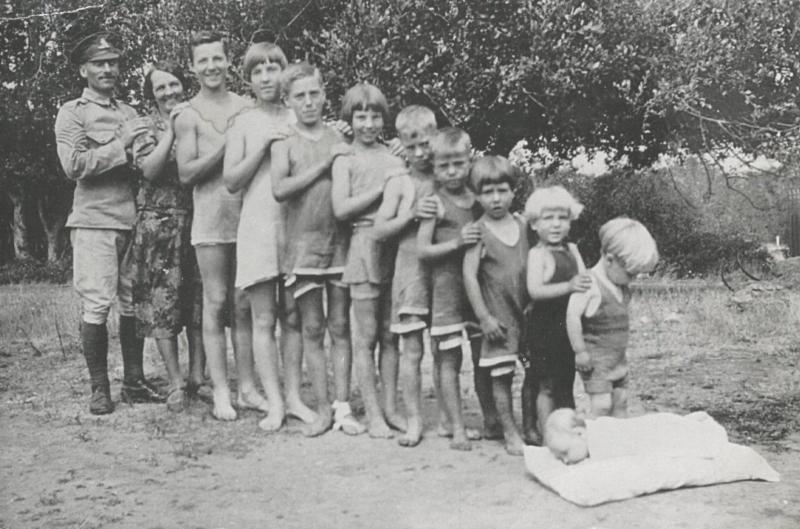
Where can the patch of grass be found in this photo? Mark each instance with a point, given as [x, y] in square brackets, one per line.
[766, 420]
[35, 271]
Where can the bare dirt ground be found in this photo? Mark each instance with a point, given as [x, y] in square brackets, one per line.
[144, 467]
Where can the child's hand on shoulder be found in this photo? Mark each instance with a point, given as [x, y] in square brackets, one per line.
[583, 362]
[176, 110]
[396, 147]
[276, 133]
[580, 283]
[343, 128]
[493, 330]
[426, 208]
[470, 234]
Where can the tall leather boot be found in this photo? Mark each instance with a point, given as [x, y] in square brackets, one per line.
[94, 340]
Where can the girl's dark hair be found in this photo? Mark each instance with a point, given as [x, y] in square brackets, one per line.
[165, 66]
[492, 169]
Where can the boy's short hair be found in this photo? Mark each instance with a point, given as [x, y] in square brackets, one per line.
[295, 72]
[492, 169]
[414, 119]
[631, 243]
[364, 96]
[206, 37]
[450, 140]
[262, 53]
[554, 197]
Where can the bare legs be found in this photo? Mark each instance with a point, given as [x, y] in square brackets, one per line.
[217, 266]
[263, 305]
[292, 350]
[501, 390]
[450, 362]
[368, 313]
[530, 392]
[341, 357]
[312, 322]
[410, 359]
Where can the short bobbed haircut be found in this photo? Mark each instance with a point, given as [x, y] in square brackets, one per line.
[554, 197]
[262, 53]
[492, 169]
[631, 243]
[170, 67]
[414, 120]
[206, 37]
[449, 141]
[364, 96]
[295, 72]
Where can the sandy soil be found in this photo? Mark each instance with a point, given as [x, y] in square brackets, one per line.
[144, 467]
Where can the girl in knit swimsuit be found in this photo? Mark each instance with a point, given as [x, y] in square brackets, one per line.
[555, 271]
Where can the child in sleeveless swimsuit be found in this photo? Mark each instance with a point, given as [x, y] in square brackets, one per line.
[597, 320]
[358, 184]
[406, 200]
[494, 277]
[555, 270]
[441, 242]
[315, 243]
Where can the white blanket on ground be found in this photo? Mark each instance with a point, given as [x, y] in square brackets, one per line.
[599, 480]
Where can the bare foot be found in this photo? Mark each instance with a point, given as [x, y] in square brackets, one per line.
[446, 430]
[251, 400]
[223, 411]
[378, 429]
[300, 411]
[273, 421]
[413, 434]
[460, 442]
[322, 424]
[514, 444]
[492, 432]
[396, 421]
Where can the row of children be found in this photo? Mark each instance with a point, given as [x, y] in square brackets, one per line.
[295, 214]
[432, 244]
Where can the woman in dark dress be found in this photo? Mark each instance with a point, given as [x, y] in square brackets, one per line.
[167, 292]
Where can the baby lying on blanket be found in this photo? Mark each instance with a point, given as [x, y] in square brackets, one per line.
[571, 439]
[623, 458]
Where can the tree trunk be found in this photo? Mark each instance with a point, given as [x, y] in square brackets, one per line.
[19, 227]
[53, 219]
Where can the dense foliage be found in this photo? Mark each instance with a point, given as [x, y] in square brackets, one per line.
[633, 78]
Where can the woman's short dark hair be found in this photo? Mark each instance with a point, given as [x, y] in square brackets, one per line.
[165, 66]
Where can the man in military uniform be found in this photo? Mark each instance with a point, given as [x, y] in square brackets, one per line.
[94, 134]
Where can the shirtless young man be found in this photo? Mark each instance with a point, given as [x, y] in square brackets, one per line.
[200, 131]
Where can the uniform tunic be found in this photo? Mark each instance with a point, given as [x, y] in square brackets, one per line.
[92, 154]
[90, 150]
